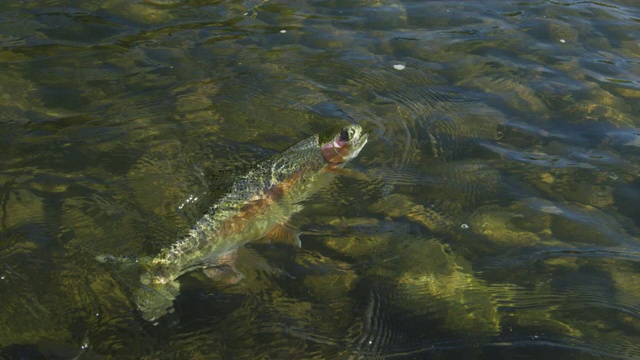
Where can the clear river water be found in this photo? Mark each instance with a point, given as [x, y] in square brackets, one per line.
[495, 214]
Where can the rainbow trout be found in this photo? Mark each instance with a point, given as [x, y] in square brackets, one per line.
[257, 204]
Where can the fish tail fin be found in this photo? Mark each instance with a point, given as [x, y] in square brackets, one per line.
[155, 301]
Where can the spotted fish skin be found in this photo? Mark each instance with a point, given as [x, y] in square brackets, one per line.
[261, 199]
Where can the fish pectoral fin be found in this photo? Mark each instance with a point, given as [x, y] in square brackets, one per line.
[224, 273]
[282, 234]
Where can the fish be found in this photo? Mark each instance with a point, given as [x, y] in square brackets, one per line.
[258, 204]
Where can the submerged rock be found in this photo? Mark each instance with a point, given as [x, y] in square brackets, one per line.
[497, 226]
[515, 94]
[362, 246]
[625, 280]
[438, 284]
[327, 278]
[329, 283]
[399, 205]
[21, 207]
[582, 224]
[140, 12]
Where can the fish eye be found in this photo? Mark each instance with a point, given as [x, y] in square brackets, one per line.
[346, 134]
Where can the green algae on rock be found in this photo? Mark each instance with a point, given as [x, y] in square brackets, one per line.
[439, 284]
[497, 227]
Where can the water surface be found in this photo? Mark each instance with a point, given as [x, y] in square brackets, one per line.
[497, 218]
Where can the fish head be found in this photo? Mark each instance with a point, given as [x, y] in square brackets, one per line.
[345, 145]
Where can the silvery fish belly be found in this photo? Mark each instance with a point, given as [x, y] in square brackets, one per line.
[257, 203]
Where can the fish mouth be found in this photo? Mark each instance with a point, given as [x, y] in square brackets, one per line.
[345, 145]
[357, 144]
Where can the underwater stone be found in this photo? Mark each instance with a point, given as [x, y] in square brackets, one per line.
[445, 282]
[497, 227]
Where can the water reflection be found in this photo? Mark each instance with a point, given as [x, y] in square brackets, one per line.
[497, 215]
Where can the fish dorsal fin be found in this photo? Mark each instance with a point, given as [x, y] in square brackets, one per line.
[312, 142]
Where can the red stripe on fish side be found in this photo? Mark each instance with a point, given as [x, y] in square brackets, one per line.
[237, 223]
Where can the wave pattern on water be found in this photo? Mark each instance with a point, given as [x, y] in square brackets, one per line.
[493, 212]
